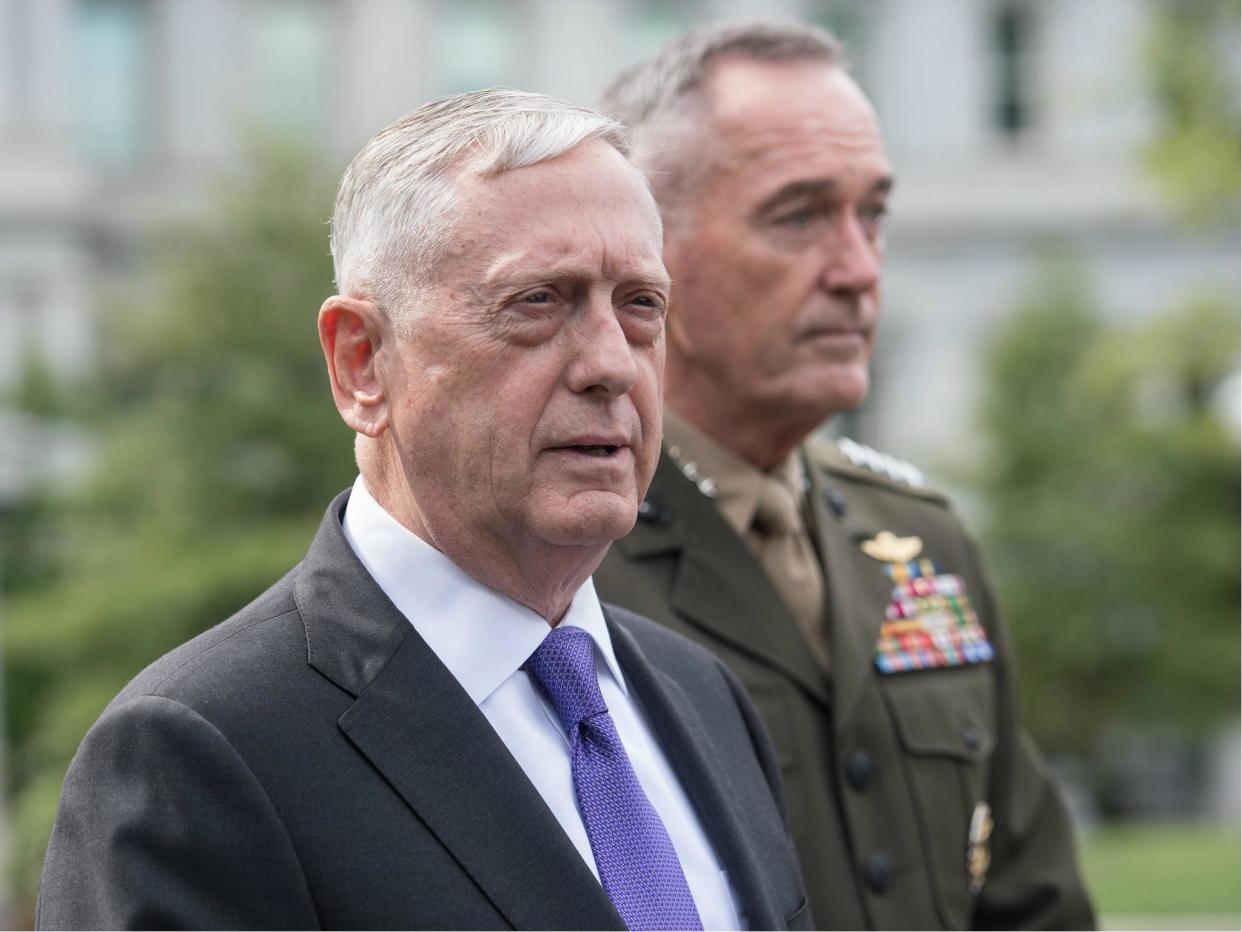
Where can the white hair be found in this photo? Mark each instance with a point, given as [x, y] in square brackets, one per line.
[659, 98]
[393, 214]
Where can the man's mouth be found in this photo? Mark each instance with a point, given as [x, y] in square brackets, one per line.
[835, 332]
[599, 448]
[835, 339]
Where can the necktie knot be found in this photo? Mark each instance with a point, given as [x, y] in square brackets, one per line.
[776, 511]
[564, 667]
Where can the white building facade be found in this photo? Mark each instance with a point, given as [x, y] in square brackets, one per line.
[1008, 122]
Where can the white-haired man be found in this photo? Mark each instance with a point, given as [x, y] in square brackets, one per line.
[843, 592]
[431, 722]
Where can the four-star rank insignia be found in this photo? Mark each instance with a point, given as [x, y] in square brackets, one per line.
[929, 622]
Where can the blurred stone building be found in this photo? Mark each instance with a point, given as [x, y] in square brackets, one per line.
[1008, 122]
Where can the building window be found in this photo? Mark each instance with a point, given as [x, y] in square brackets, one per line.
[1013, 57]
[113, 78]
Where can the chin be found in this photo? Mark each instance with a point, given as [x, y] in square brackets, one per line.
[605, 517]
[843, 390]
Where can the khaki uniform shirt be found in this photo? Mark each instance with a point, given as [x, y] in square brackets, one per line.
[737, 486]
[915, 798]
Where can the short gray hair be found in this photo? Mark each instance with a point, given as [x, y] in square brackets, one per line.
[393, 212]
[654, 97]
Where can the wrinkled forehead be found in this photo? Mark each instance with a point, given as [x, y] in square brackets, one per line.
[755, 110]
[737, 86]
[587, 208]
[774, 123]
[591, 168]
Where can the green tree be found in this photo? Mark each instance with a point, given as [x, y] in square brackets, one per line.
[216, 449]
[1195, 151]
[1113, 489]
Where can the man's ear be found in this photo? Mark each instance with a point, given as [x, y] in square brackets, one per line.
[350, 331]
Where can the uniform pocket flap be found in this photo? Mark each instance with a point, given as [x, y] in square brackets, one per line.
[944, 713]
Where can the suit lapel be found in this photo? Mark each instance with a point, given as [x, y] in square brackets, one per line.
[720, 587]
[858, 595]
[420, 729]
[679, 731]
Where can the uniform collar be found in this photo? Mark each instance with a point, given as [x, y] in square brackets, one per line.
[731, 480]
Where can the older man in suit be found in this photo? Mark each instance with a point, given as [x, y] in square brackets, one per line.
[431, 722]
[841, 589]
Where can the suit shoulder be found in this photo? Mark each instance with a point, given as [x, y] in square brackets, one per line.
[256, 636]
[858, 463]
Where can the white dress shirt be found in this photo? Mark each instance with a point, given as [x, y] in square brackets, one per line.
[484, 638]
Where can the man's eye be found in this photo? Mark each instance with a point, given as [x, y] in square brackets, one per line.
[537, 297]
[797, 218]
[873, 214]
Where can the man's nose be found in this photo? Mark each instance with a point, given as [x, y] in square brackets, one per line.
[603, 359]
[852, 263]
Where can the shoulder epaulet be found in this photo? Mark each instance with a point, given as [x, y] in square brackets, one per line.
[856, 459]
[898, 470]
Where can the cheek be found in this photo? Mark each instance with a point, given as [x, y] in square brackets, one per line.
[648, 393]
[649, 400]
[460, 418]
[744, 281]
[517, 397]
[650, 362]
[745, 324]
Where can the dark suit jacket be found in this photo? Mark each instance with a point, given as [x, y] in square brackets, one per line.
[310, 763]
[882, 772]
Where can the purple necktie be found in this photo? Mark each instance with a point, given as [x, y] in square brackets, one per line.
[637, 863]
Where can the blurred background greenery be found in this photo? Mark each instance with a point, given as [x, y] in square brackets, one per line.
[1107, 486]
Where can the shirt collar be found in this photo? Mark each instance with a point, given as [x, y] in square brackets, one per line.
[737, 481]
[482, 636]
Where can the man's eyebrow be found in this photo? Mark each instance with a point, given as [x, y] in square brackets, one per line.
[650, 278]
[882, 185]
[821, 187]
[816, 187]
[514, 272]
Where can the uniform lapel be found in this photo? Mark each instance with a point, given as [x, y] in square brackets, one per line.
[858, 595]
[718, 584]
[679, 730]
[419, 728]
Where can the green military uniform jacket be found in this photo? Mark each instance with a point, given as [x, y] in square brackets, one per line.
[884, 772]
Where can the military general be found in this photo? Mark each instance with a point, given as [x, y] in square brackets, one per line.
[838, 586]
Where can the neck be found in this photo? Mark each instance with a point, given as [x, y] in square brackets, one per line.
[765, 441]
[542, 576]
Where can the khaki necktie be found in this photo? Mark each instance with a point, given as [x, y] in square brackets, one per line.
[780, 542]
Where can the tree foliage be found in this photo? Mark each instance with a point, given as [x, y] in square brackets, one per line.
[217, 448]
[1113, 486]
[1114, 493]
[1194, 154]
